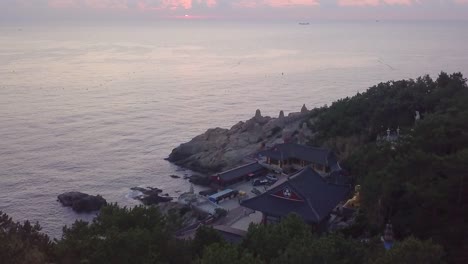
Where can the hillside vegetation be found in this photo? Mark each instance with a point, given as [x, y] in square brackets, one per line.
[418, 182]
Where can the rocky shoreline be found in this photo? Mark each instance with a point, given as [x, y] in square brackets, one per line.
[218, 149]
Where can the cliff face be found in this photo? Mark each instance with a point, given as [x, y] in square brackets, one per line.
[218, 149]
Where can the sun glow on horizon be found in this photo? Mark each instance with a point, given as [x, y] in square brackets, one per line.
[239, 9]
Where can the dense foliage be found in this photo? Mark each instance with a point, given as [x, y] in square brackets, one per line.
[23, 243]
[122, 235]
[143, 235]
[417, 182]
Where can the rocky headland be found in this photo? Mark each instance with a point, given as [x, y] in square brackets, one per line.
[218, 149]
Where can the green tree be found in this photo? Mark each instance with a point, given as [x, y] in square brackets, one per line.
[204, 237]
[329, 249]
[227, 254]
[122, 235]
[269, 241]
[411, 251]
[23, 243]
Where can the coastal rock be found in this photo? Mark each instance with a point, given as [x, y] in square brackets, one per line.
[147, 190]
[151, 195]
[82, 202]
[200, 180]
[187, 215]
[218, 149]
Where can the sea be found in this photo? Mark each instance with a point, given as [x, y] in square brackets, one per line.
[97, 108]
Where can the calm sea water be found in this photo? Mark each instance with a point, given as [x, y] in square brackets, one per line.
[97, 109]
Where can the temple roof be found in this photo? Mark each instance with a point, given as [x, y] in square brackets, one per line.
[240, 171]
[311, 154]
[305, 193]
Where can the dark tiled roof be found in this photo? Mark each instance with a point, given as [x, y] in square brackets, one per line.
[317, 197]
[311, 154]
[240, 171]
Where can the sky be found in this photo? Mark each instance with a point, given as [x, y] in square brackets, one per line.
[300, 10]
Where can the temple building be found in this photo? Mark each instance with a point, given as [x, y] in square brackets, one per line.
[293, 157]
[238, 174]
[305, 193]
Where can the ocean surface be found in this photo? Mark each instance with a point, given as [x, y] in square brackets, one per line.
[97, 108]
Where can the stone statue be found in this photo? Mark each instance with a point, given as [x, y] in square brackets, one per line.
[258, 114]
[281, 115]
[417, 116]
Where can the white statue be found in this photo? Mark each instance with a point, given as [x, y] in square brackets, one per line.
[417, 116]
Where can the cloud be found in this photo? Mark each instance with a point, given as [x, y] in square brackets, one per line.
[149, 5]
[358, 2]
[129, 4]
[233, 9]
[95, 4]
[173, 4]
[377, 2]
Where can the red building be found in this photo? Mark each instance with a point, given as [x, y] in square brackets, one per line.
[238, 174]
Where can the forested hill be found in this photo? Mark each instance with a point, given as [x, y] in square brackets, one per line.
[419, 182]
[390, 105]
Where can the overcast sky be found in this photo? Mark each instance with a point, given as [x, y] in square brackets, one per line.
[300, 10]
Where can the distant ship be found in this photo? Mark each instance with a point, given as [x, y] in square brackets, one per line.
[304, 23]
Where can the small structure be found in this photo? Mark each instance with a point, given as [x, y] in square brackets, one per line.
[306, 193]
[294, 156]
[391, 136]
[239, 174]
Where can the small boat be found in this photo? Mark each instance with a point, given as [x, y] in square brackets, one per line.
[304, 23]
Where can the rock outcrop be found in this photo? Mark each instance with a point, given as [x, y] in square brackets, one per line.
[218, 148]
[187, 216]
[200, 180]
[82, 202]
[150, 196]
